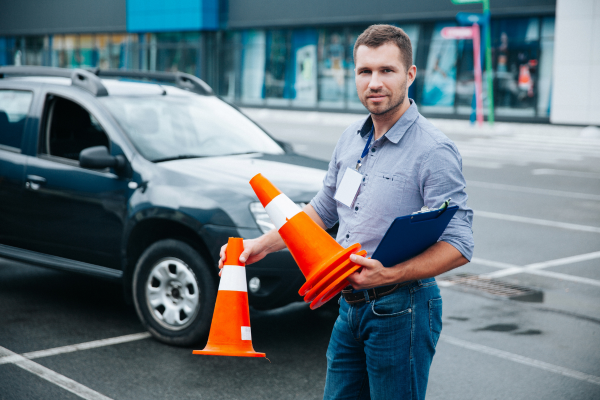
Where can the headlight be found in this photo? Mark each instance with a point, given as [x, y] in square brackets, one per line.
[262, 218]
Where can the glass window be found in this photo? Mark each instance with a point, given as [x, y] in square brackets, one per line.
[14, 106]
[229, 62]
[64, 50]
[34, 50]
[7, 45]
[413, 32]
[331, 68]
[253, 66]
[439, 86]
[465, 77]
[278, 68]
[70, 129]
[171, 127]
[545, 67]
[303, 82]
[103, 45]
[176, 52]
[116, 51]
[353, 102]
[516, 59]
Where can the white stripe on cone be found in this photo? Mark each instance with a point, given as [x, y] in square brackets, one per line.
[280, 209]
[233, 278]
[246, 333]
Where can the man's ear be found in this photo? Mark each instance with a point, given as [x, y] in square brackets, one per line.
[411, 74]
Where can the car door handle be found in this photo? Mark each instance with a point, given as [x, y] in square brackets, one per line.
[34, 182]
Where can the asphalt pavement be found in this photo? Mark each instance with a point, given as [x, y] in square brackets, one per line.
[535, 190]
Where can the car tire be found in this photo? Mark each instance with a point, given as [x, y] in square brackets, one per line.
[174, 292]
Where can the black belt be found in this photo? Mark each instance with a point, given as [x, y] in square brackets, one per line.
[374, 293]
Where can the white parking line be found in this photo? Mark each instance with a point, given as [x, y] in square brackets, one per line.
[565, 277]
[24, 361]
[524, 189]
[535, 268]
[560, 172]
[522, 360]
[75, 347]
[566, 260]
[53, 377]
[536, 221]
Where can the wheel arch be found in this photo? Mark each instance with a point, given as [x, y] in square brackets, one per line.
[151, 230]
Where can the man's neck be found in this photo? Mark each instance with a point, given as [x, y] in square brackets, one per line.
[383, 123]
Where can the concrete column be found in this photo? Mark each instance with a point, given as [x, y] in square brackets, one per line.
[576, 80]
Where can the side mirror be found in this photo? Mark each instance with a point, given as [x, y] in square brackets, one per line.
[97, 157]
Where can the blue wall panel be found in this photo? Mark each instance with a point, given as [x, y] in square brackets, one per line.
[164, 16]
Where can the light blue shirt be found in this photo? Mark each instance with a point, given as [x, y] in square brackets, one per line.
[412, 165]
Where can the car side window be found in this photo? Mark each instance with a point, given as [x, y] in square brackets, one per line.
[14, 107]
[69, 129]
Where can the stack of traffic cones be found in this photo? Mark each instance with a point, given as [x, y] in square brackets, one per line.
[230, 333]
[324, 263]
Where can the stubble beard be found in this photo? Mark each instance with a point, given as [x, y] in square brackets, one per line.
[391, 108]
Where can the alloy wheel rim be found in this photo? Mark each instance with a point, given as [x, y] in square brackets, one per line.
[172, 294]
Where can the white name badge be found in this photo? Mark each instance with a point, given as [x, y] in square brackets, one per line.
[348, 189]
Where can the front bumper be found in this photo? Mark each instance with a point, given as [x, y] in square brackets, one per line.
[280, 280]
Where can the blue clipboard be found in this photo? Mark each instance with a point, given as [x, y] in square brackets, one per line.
[410, 235]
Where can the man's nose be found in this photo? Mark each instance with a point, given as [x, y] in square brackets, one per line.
[375, 82]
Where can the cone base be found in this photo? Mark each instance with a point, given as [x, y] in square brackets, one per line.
[334, 279]
[229, 353]
[332, 286]
[319, 301]
[327, 267]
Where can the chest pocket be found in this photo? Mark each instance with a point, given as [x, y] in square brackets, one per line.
[384, 191]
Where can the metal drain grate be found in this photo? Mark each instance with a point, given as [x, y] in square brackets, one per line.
[491, 287]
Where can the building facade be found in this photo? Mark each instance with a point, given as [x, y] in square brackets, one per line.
[297, 55]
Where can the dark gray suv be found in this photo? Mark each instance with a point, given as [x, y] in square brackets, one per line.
[141, 178]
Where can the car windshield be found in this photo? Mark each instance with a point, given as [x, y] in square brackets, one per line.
[173, 127]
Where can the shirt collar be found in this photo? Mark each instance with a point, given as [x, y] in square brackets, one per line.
[400, 127]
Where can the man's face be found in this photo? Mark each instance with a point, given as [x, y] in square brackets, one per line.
[381, 78]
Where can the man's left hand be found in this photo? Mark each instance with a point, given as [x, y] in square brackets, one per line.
[372, 273]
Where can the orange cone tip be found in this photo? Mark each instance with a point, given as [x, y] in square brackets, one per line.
[230, 333]
[324, 262]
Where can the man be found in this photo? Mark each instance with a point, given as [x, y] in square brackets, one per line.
[384, 339]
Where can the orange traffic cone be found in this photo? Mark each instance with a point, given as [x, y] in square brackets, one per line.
[323, 261]
[230, 329]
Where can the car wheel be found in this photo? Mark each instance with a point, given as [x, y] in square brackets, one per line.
[174, 292]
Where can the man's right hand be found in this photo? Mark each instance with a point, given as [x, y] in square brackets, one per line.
[254, 250]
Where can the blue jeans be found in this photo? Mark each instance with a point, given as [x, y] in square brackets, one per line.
[383, 349]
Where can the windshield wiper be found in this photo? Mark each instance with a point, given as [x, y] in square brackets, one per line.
[178, 157]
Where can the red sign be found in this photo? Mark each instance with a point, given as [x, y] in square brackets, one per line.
[457, 32]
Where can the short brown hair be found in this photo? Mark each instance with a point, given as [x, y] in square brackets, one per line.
[378, 35]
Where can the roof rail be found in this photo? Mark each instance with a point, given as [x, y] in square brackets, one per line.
[179, 79]
[79, 77]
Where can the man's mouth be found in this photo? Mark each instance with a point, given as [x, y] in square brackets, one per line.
[376, 97]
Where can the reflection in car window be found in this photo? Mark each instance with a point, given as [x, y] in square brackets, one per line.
[170, 127]
[14, 105]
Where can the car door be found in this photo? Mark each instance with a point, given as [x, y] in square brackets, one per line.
[79, 213]
[14, 110]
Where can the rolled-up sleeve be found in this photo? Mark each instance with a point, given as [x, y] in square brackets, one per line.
[441, 178]
[324, 203]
